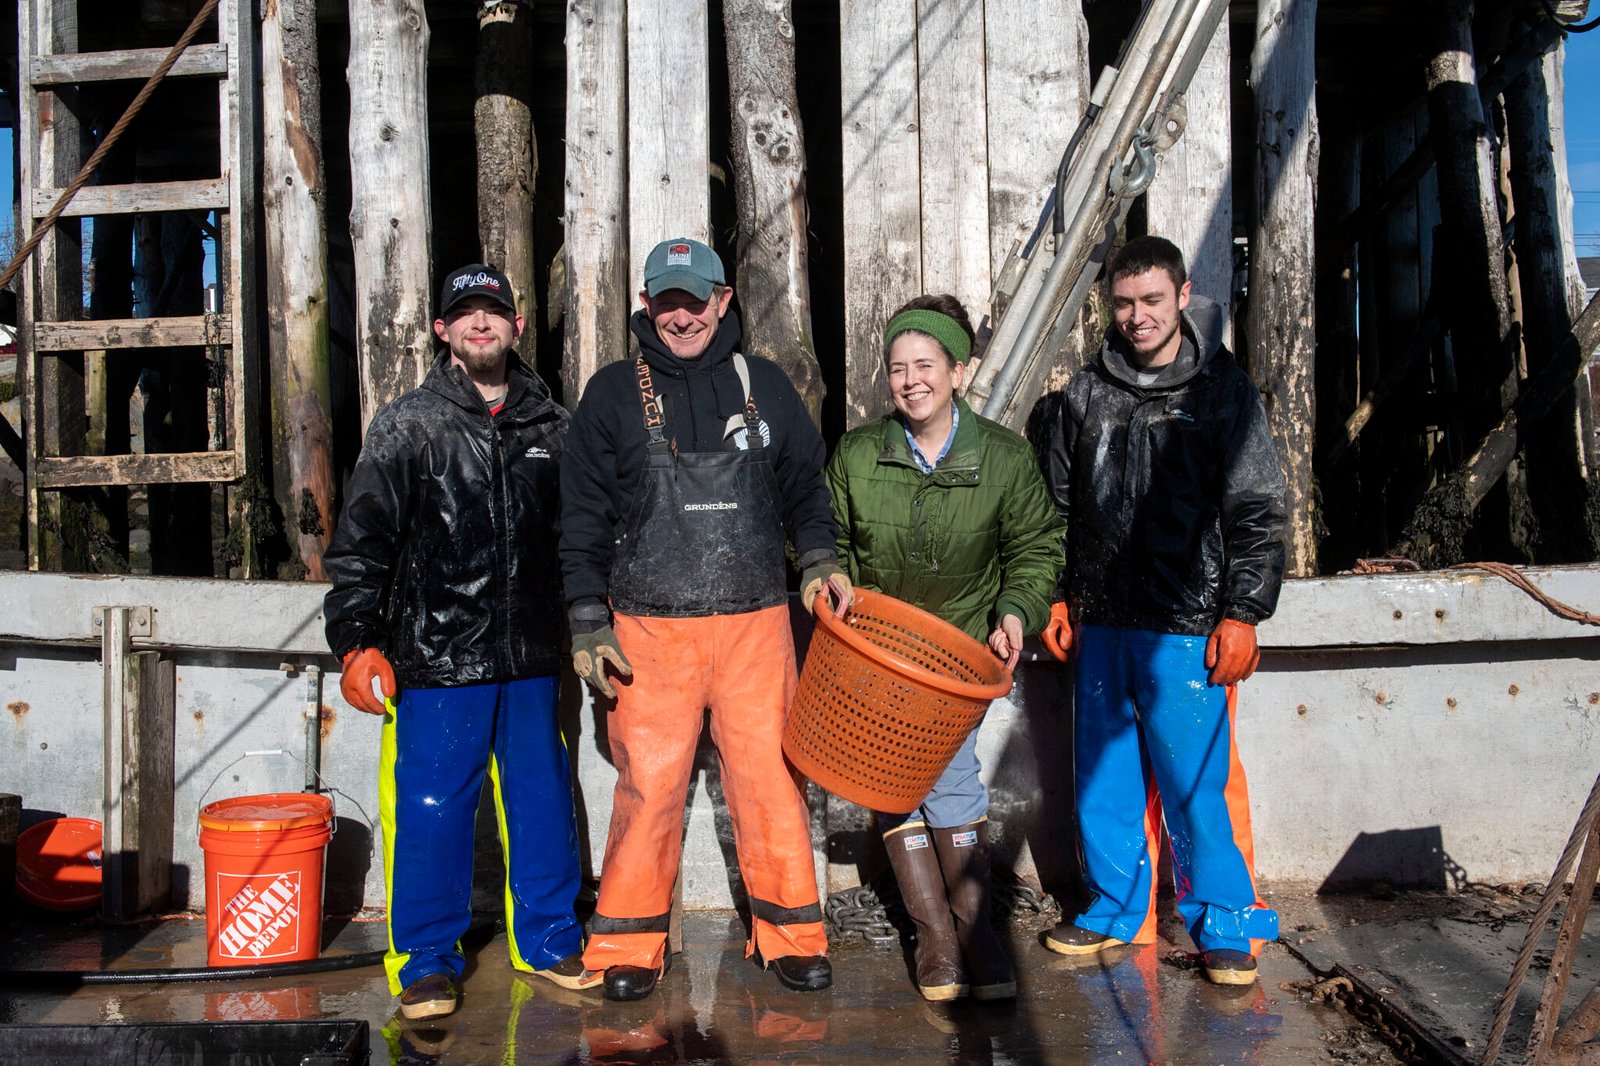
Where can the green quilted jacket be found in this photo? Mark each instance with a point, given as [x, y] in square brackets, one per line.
[976, 539]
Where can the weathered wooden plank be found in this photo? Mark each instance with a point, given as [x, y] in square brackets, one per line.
[598, 295]
[669, 126]
[882, 214]
[390, 214]
[204, 195]
[149, 685]
[176, 331]
[769, 166]
[297, 278]
[1191, 201]
[1036, 59]
[953, 145]
[62, 472]
[128, 64]
[1283, 262]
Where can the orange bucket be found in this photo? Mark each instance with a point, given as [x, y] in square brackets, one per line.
[58, 864]
[264, 861]
[888, 694]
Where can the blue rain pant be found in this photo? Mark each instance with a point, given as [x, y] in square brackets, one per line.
[957, 798]
[437, 745]
[1152, 737]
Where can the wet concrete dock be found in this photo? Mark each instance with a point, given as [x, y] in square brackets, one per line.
[1131, 1005]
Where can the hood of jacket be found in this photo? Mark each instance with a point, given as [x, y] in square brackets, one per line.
[1201, 324]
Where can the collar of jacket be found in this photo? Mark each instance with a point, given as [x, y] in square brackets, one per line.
[1202, 325]
[526, 394]
[960, 466]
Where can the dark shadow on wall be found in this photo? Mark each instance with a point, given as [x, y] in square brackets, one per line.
[1399, 858]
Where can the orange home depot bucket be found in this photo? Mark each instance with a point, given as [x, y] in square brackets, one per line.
[887, 695]
[264, 859]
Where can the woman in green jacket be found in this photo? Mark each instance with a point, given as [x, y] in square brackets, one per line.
[946, 510]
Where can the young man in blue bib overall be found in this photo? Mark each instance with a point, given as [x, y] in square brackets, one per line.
[1158, 456]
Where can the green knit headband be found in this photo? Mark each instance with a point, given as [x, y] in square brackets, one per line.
[941, 327]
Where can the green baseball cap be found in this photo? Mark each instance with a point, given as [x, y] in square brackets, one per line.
[681, 263]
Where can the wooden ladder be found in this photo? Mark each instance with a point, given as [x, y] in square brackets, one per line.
[55, 336]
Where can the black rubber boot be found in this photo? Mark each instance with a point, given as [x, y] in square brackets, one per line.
[964, 860]
[938, 954]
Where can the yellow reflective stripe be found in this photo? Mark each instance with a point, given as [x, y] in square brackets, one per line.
[393, 960]
[517, 961]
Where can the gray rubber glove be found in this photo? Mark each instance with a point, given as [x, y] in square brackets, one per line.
[826, 575]
[590, 653]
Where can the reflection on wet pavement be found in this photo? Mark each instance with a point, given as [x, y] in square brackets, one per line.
[1130, 1005]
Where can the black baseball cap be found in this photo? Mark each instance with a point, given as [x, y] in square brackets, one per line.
[476, 279]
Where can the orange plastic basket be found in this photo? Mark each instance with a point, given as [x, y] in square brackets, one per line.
[887, 696]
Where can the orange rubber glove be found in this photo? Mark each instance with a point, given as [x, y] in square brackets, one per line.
[1231, 652]
[1057, 635]
[360, 667]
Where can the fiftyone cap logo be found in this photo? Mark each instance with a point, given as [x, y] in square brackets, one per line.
[479, 280]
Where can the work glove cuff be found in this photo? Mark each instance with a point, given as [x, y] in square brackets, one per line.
[585, 618]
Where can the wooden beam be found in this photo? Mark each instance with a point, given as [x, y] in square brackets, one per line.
[769, 167]
[953, 142]
[1543, 217]
[128, 64]
[595, 257]
[293, 209]
[205, 195]
[178, 331]
[65, 472]
[1191, 200]
[390, 214]
[148, 724]
[882, 210]
[1282, 327]
[669, 126]
[1037, 88]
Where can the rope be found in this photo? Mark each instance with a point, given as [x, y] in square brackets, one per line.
[1501, 570]
[1508, 1001]
[105, 146]
[1515, 576]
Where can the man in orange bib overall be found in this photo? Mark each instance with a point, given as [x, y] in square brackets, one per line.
[685, 472]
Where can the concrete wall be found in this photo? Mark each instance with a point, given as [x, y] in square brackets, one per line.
[1410, 728]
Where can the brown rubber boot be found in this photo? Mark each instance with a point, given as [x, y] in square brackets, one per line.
[916, 868]
[964, 859]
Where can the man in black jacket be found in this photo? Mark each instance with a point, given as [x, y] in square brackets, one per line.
[1159, 458]
[685, 472]
[446, 592]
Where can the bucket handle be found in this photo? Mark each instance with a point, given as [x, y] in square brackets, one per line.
[333, 793]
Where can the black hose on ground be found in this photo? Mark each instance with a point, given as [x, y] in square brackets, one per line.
[75, 978]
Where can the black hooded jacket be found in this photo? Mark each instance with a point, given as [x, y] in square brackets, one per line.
[606, 451]
[445, 557]
[1172, 490]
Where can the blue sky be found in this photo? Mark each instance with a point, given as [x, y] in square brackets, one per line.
[1583, 141]
[1582, 72]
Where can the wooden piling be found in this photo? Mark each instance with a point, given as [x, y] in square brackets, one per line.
[598, 294]
[297, 278]
[1282, 317]
[769, 166]
[508, 162]
[390, 214]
